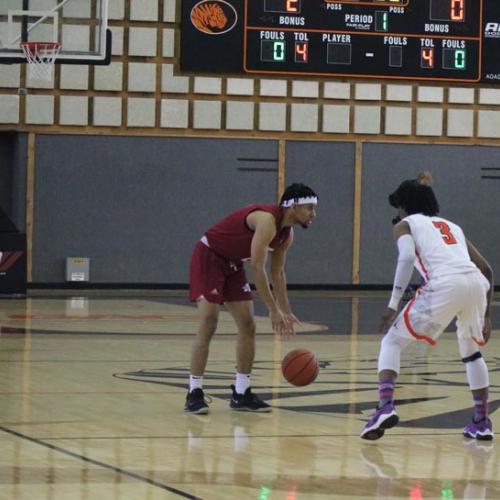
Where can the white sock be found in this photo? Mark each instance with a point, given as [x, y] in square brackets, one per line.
[242, 382]
[477, 374]
[195, 382]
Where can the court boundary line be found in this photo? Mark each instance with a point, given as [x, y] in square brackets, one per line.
[263, 436]
[98, 463]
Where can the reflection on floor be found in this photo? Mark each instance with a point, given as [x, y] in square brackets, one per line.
[93, 389]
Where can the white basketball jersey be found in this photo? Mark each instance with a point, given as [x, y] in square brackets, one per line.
[440, 245]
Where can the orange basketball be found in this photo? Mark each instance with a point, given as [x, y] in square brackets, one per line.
[300, 367]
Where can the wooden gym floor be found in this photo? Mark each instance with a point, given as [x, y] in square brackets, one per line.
[93, 387]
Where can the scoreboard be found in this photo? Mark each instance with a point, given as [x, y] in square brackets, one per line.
[440, 40]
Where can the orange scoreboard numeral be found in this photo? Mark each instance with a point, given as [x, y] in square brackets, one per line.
[301, 52]
[427, 58]
[457, 10]
[291, 5]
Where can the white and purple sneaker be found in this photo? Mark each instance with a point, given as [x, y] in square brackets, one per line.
[382, 419]
[482, 430]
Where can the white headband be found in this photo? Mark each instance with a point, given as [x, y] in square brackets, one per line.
[300, 201]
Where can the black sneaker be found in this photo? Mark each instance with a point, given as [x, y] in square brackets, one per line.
[248, 402]
[195, 402]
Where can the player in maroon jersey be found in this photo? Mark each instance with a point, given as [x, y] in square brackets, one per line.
[217, 277]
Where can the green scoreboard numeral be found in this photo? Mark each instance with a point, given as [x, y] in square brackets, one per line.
[279, 51]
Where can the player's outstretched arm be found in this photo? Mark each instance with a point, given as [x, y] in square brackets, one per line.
[404, 270]
[278, 279]
[264, 226]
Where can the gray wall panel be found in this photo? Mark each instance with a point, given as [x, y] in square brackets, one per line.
[323, 253]
[136, 206]
[464, 196]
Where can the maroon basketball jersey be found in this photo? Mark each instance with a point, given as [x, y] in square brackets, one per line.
[232, 238]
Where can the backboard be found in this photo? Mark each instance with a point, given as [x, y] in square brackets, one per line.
[80, 26]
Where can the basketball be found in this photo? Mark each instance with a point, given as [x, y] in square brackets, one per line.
[300, 367]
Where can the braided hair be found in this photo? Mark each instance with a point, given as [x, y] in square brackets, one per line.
[415, 198]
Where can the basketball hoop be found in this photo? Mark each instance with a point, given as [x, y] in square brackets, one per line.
[41, 57]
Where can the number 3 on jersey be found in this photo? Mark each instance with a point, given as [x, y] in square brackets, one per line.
[445, 230]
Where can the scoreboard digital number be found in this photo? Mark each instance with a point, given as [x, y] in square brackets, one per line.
[440, 40]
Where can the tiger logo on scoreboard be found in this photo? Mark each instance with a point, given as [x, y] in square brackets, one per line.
[214, 17]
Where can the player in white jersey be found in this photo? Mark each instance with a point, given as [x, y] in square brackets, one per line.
[458, 284]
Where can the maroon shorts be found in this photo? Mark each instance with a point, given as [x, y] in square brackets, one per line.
[216, 279]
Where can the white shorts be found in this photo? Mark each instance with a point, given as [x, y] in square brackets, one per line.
[439, 301]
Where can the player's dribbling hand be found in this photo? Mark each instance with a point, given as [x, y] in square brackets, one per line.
[280, 325]
[386, 320]
[291, 321]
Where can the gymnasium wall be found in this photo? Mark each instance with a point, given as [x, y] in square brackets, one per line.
[137, 205]
[127, 164]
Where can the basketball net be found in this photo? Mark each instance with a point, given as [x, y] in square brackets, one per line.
[41, 57]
